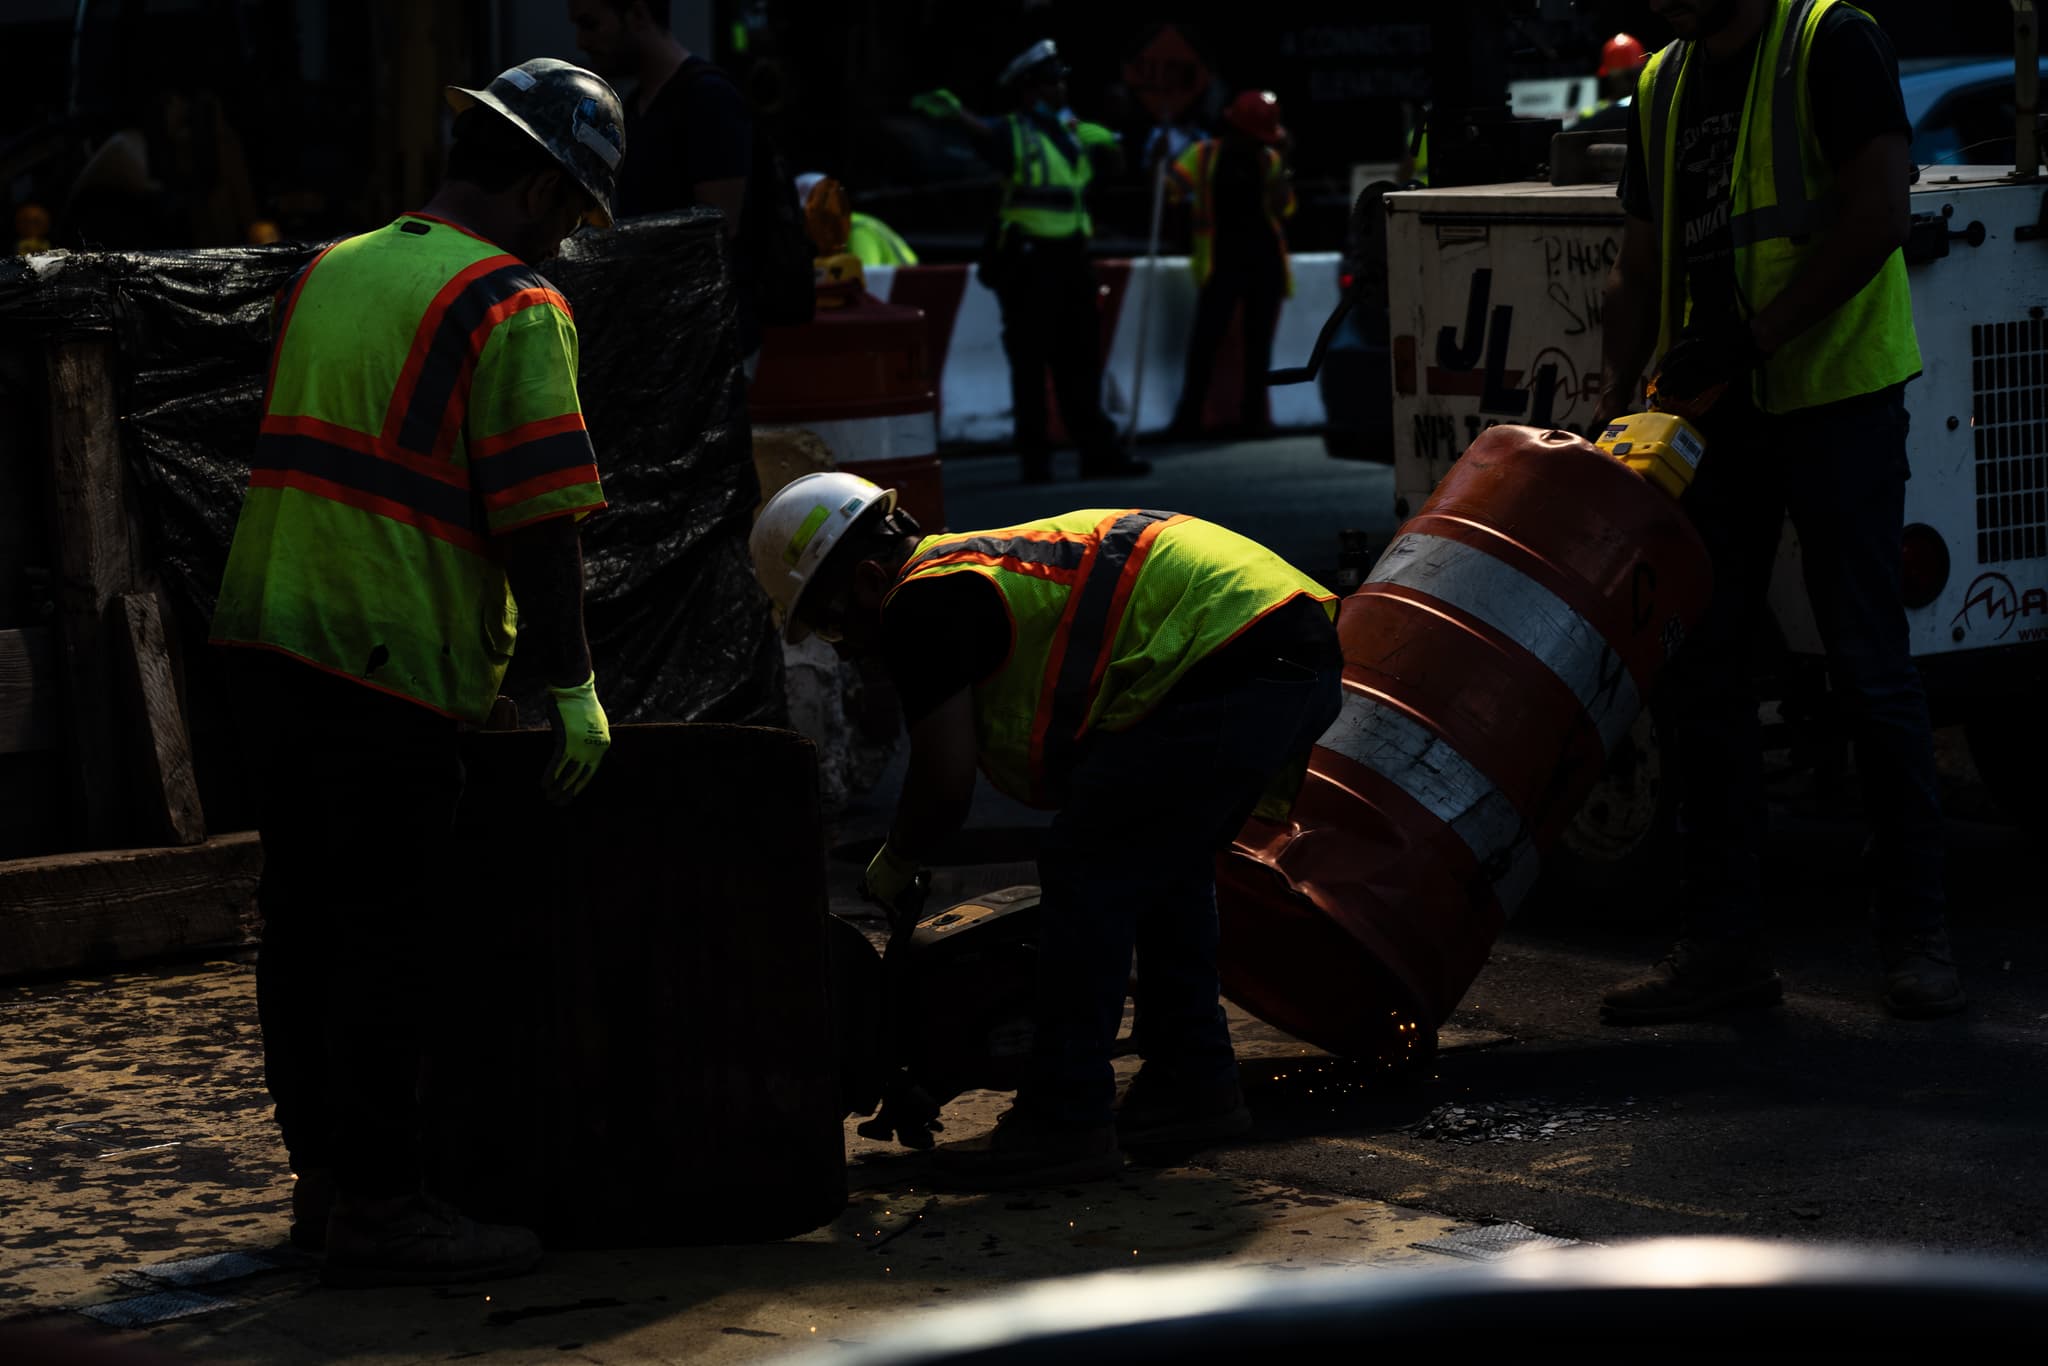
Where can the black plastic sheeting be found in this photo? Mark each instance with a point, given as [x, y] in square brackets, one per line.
[679, 629]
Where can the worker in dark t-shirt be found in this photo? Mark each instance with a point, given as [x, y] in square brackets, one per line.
[1767, 198]
[691, 130]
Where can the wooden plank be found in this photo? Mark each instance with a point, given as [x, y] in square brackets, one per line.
[81, 912]
[95, 564]
[28, 691]
[168, 792]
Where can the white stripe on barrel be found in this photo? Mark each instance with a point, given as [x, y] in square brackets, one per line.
[856, 440]
[1493, 591]
[1442, 781]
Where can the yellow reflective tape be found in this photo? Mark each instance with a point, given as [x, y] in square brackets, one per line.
[804, 534]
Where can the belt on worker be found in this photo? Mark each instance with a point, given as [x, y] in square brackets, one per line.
[1045, 197]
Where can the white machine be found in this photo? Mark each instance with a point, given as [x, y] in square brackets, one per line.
[1495, 297]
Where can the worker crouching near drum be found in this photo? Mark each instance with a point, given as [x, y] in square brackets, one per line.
[1151, 677]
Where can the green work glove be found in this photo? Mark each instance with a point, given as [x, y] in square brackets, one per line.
[582, 735]
[1093, 134]
[896, 884]
[937, 104]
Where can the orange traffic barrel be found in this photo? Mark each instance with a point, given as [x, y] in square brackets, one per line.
[1503, 644]
[859, 376]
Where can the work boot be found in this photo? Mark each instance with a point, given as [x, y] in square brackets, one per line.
[312, 1202]
[419, 1240]
[1700, 976]
[1155, 1113]
[1920, 981]
[1021, 1151]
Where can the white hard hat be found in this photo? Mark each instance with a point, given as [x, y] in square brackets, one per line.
[1041, 53]
[797, 530]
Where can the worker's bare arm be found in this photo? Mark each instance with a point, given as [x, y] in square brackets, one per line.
[940, 783]
[1628, 318]
[729, 197]
[1874, 218]
[544, 564]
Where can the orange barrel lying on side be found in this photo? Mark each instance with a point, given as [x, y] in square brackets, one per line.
[1503, 644]
[859, 376]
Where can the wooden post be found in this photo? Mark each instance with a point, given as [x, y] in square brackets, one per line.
[95, 563]
[168, 791]
[114, 661]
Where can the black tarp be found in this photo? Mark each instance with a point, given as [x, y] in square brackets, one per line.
[679, 629]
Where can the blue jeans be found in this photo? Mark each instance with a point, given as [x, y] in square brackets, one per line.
[1840, 472]
[1130, 863]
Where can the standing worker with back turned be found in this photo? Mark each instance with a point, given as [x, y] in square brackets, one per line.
[1241, 194]
[1038, 264]
[421, 467]
[1766, 197]
[1150, 676]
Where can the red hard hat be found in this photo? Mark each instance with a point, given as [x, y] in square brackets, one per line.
[1256, 113]
[1621, 53]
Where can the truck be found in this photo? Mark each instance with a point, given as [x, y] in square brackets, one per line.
[1494, 316]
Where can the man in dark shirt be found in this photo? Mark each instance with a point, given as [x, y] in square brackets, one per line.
[1809, 361]
[691, 131]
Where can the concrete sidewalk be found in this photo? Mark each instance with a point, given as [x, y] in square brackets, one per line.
[144, 1199]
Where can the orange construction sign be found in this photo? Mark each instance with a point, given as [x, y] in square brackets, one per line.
[1166, 75]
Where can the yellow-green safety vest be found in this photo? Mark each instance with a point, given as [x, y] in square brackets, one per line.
[1045, 192]
[1784, 200]
[421, 403]
[876, 243]
[1109, 608]
[1193, 176]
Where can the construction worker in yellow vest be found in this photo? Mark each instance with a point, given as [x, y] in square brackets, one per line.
[1240, 194]
[412, 506]
[1148, 676]
[1766, 201]
[1036, 259]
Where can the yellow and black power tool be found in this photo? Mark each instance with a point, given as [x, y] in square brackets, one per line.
[1662, 447]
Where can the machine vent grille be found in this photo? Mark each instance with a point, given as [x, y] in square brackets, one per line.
[2009, 376]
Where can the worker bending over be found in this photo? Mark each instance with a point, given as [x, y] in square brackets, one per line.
[1150, 677]
[421, 465]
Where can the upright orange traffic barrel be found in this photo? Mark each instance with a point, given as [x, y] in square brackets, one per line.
[859, 376]
[1503, 644]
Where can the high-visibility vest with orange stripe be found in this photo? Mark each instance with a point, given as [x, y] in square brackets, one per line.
[1193, 176]
[1108, 610]
[422, 400]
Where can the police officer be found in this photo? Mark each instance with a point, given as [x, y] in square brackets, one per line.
[1037, 259]
[1154, 679]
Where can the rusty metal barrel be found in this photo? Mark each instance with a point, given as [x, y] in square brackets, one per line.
[639, 1047]
[1503, 644]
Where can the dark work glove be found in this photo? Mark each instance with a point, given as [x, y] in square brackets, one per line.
[1701, 365]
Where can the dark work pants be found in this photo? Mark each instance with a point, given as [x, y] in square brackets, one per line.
[1840, 473]
[356, 799]
[1260, 285]
[1130, 863]
[1048, 296]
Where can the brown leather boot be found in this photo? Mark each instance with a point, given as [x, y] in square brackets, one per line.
[1023, 1152]
[1920, 981]
[1700, 976]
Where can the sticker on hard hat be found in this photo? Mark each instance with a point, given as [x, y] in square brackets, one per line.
[812, 521]
[853, 505]
[517, 77]
[1688, 446]
[600, 137]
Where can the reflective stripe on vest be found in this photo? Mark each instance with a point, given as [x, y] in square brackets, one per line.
[1783, 198]
[1043, 195]
[1108, 610]
[1201, 189]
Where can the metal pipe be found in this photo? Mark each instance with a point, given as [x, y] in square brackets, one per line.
[2026, 44]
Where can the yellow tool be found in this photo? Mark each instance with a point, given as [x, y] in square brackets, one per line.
[1662, 447]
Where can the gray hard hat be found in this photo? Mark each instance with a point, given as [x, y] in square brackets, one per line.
[1041, 54]
[572, 113]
